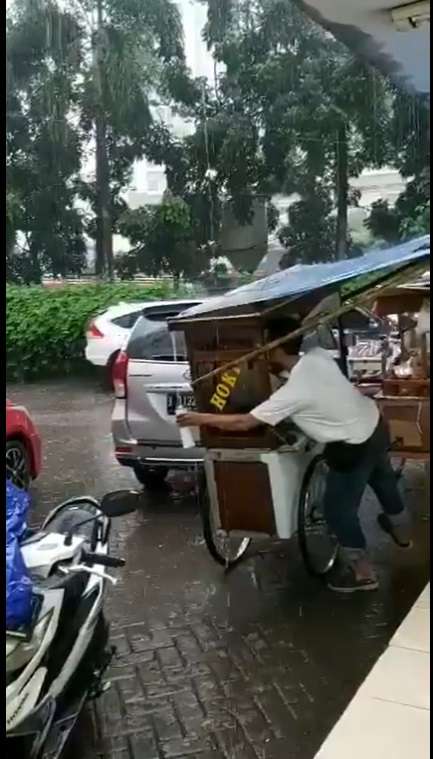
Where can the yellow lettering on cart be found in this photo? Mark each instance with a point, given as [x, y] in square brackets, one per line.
[218, 402]
[224, 388]
[230, 378]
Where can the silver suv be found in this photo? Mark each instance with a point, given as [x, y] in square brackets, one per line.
[150, 377]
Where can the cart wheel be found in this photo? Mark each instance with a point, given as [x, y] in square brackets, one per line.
[225, 550]
[318, 547]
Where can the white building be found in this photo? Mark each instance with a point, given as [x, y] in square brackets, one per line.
[149, 180]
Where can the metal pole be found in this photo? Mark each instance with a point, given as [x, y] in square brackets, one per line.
[343, 347]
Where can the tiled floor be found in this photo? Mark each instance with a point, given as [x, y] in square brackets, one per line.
[389, 718]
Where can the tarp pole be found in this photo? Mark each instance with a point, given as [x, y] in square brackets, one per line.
[343, 347]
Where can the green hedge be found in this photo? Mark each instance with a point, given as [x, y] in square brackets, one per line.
[45, 327]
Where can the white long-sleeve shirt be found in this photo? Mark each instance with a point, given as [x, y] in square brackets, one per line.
[322, 402]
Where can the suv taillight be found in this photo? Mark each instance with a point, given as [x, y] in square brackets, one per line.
[120, 375]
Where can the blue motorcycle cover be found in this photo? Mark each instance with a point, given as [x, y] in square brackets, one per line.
[18, 582]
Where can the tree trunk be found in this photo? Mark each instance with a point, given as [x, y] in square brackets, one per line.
[33, 272]
[104, 238]
[342, 189]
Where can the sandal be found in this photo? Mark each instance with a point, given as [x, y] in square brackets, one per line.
[344, 580]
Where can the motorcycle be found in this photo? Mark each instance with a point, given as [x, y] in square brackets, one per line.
[57, 663]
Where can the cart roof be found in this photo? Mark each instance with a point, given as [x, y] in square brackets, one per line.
[305, 280]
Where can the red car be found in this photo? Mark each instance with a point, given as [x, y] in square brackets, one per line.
[23, 446]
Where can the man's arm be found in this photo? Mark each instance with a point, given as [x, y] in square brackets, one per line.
[232, 422]
[281, 405]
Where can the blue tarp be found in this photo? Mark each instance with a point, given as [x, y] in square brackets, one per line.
[299, 280]
[18, 583]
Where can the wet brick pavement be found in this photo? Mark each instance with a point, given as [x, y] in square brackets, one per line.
[258, 664]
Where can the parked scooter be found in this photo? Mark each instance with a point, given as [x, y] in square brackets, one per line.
[57, 663]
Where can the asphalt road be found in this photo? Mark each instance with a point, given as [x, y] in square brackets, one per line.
[258, 664]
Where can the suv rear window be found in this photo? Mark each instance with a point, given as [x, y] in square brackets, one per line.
[154, 314]
[161, 313]
[154, 342]
[151, 340]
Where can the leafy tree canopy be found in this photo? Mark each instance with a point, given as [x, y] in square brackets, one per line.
[291, 112]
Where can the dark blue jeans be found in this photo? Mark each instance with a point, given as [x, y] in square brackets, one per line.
[352, 468]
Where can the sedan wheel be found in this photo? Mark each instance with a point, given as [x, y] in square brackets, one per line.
[18, 464]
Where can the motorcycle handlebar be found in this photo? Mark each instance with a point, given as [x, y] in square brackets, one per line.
[103, 560]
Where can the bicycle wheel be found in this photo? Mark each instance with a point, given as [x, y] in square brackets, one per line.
[318, 547]
[224, 550]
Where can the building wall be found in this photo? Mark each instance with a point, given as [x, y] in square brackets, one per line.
[149, 179]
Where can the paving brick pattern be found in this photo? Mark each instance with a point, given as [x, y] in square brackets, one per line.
[188, 685]
[256, 665]
[196, 690]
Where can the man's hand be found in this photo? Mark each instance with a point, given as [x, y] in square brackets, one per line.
[190, 419]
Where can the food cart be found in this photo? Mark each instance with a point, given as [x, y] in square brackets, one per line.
[404, 393]
[266, 482]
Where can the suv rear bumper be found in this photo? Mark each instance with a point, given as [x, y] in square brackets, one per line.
[154, 457]
[130, 452]
[153, 462]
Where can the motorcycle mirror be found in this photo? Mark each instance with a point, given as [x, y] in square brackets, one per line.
[119, 503]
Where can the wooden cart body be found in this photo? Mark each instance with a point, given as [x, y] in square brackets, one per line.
[254, 478]
[256, 492]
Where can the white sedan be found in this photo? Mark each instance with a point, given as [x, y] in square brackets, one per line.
[106, 333]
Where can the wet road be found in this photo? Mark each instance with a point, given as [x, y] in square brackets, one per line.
[255, 665]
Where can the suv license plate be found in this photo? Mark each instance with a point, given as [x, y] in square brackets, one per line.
[184, 399]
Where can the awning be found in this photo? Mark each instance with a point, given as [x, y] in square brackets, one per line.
[392, 35]
[292, 284]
